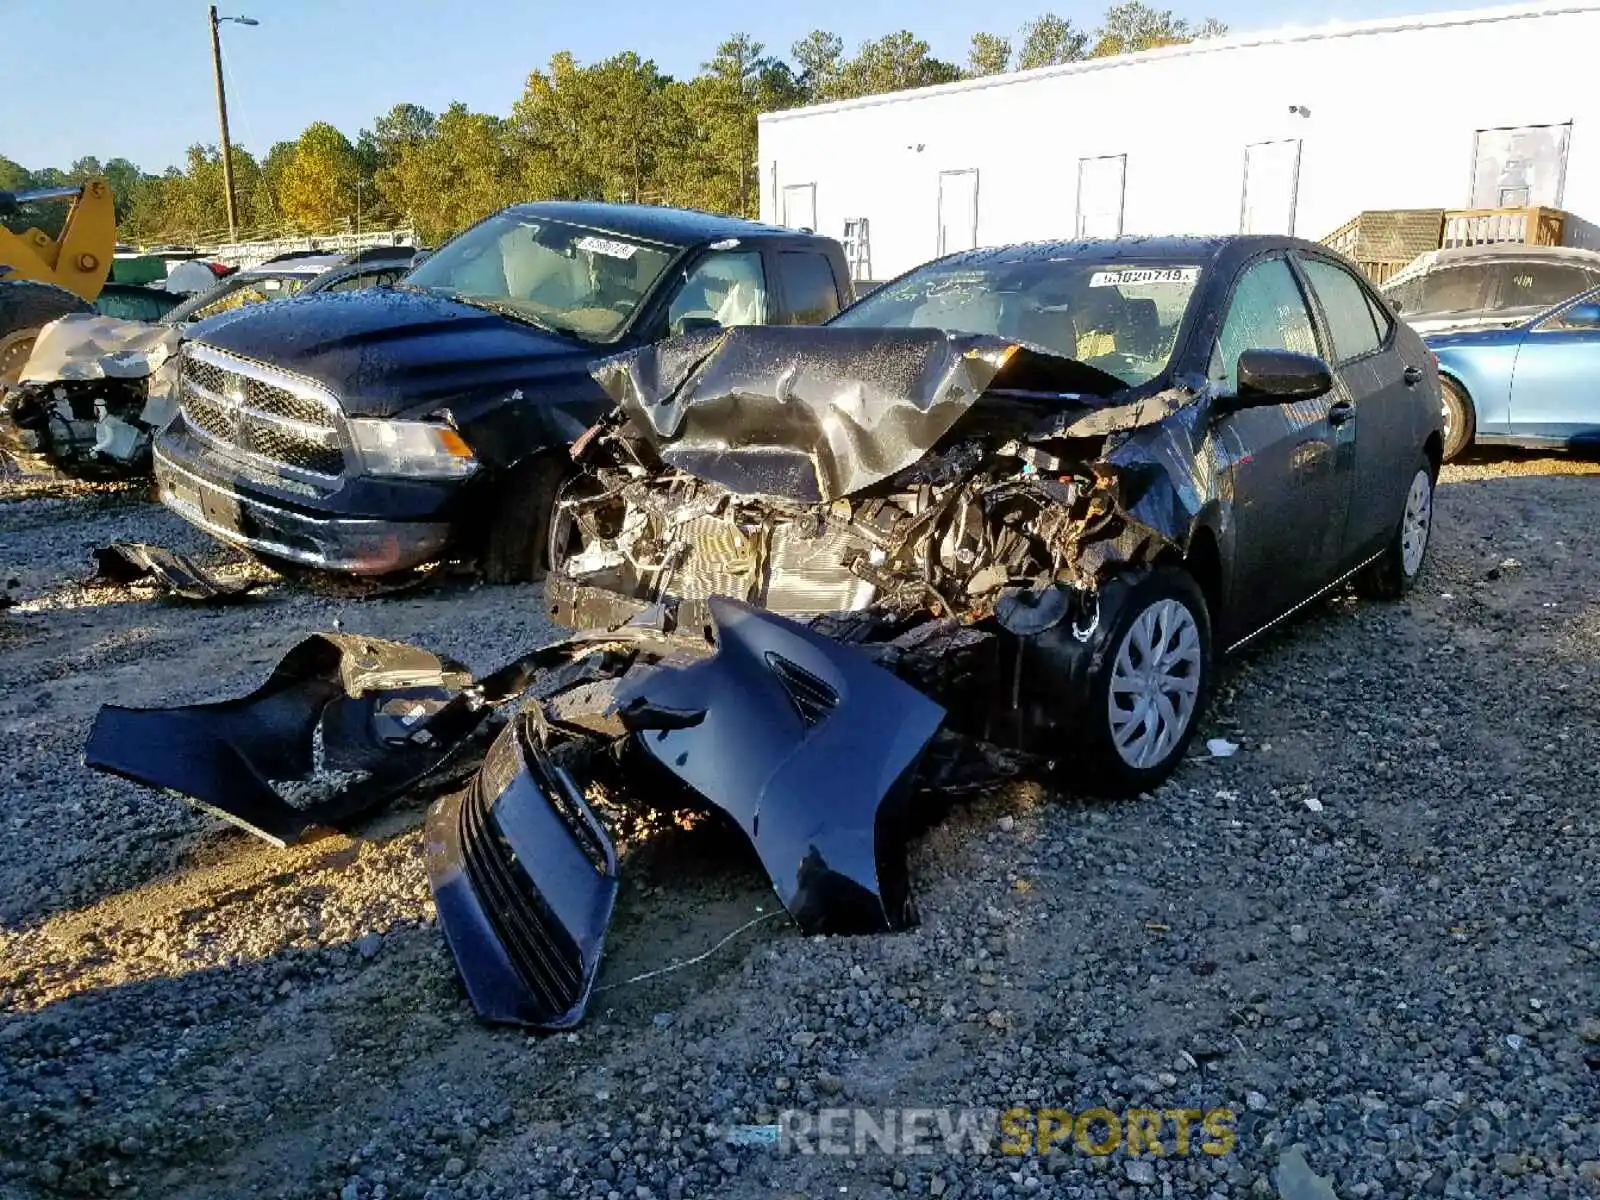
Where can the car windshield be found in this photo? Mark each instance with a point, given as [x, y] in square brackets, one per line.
[236, 293]
[1490, 287]
[1122, 318]
[567, 278]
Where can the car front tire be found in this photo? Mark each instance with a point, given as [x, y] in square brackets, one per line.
[1395, 571]
[1460, 418]
[1148, 692]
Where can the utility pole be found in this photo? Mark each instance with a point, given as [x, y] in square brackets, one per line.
[222, 119]
[222, 116]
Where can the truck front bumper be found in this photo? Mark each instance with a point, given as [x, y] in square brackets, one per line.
[358, 545]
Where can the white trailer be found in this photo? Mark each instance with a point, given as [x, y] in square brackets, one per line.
[1293, 131]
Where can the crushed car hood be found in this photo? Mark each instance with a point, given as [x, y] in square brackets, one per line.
[386, 352]
[813, 414]
[80, 346]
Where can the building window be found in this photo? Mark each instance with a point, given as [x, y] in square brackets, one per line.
[1521, 167]
[1102, 184]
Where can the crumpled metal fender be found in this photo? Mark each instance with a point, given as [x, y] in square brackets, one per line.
[343, 725]
[809, 746]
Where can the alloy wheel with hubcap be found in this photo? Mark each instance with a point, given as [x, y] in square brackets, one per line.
[1155, 684]
[1416, 524]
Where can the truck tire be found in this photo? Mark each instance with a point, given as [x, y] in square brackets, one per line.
[26, 307]
[515, 549]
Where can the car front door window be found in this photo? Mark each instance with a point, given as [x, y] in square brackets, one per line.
[1267, 313]
[727, 288]
[1288, 497]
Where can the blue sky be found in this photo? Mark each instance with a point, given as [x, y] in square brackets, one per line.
[133, 77]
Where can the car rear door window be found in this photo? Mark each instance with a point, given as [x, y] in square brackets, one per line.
[1539, 285]
[1268, 312]
[1344, 302]
[809, 286]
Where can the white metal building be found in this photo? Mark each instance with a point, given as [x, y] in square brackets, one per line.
[1290, 131]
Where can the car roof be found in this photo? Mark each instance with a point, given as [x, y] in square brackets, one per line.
[1196, 250]
[655, 223]
[310, 264]
[1456, 255]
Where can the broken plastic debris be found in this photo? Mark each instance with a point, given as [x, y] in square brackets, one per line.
[753, 1135]
[1313, 804]
[1295, 1179]
[1222, 747]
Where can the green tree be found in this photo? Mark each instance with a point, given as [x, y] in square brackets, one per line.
[594, 132]
[820, 56]
[1132, 26]
[1049, 40]
[462, 170]
[890, 64]
[319, 182]
[125, 179]
[989, 54]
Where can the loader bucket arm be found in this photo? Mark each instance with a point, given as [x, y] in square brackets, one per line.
[80, 259]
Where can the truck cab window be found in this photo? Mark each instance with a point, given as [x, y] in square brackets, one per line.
[729, 288]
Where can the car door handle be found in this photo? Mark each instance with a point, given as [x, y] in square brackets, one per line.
[1341, 412]
[1412, 376]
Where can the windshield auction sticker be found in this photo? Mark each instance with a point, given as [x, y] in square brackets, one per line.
[611, 249]
[1144, 275]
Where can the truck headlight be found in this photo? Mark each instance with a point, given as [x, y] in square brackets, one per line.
[414, 449]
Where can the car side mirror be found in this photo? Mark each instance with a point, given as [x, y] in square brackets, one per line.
[1582, 316]
[1279, 377]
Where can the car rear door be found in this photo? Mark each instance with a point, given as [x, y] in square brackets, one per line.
[1555, 385]
[1290, 490]
[1373, 411]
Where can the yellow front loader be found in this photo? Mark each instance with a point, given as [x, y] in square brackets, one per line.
[42, 278]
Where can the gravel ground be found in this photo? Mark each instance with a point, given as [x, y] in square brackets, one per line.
[1371, 934]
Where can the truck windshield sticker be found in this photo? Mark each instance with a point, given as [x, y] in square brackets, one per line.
[600, 245]
[1144, 275]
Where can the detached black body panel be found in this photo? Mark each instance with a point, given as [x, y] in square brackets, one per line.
[340, 728]
[809, 747]
[524, 879]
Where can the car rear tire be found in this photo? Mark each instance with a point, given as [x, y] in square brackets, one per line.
[1460, 418]
[516, 548]
[1148, 693]
[1395, 571]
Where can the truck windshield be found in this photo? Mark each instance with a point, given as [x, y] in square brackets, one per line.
[578, 281]
[1122, 318]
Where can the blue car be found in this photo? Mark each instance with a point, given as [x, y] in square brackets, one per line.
[1531, 383]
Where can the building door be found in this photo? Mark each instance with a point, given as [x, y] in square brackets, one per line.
[1519, 168]
[958, 211]
[1101, 184]
[1271, 187]
[800, 206]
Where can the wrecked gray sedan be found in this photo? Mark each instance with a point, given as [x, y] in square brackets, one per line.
[995, 518]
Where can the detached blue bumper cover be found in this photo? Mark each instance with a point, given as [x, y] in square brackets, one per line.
[807, 744]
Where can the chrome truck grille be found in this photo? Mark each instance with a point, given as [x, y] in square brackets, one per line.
[261, 414]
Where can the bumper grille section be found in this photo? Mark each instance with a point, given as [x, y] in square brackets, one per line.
[249, 410]
[553, 962]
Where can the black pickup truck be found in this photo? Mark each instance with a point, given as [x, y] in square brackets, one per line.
[372, 431]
